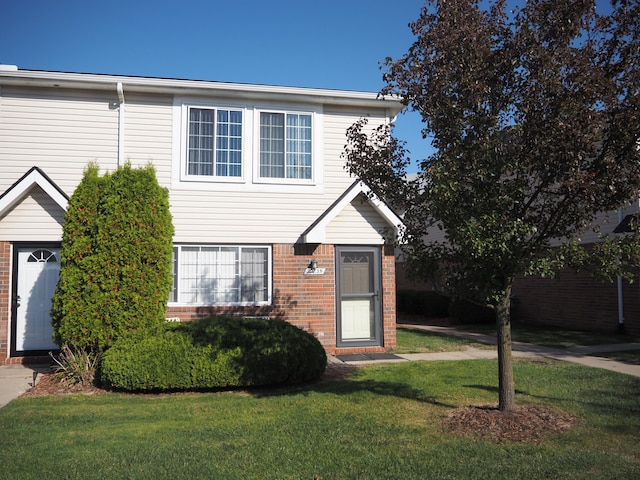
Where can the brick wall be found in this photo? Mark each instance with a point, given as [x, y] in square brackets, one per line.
[573, 301]
[308, 301]
[5, 295]
[576, 301]
[389, 297]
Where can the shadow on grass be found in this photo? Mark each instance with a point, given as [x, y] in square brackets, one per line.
[495, 390]
[624, 408]
[354, 386]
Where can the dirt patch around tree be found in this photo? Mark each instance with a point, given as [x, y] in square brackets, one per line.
[526, 424]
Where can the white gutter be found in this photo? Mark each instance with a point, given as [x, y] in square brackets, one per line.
[120, 91]
[171, 86]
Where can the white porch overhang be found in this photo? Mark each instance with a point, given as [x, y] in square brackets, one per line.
[34, 177]
[317, 232]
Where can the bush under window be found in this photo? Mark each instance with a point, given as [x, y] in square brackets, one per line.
[214, 353]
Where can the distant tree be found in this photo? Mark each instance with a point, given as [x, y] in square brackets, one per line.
[116, 258]
[534, 114]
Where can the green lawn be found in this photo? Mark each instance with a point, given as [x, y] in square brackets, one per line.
[382, 422]
[629, 356]
[412, 340]
[553, 337]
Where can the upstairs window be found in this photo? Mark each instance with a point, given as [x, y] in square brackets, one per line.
[215, 142]
[285, 146]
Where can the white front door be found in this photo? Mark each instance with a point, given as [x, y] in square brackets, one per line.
[37, 274]
[358, 286]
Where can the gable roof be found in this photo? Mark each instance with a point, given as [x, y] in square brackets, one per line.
[34, 177]
[172, 86]
[316, 233]
[628, 224]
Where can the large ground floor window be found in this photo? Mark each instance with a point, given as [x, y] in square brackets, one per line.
[221, 275]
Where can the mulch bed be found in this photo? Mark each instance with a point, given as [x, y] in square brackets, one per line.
[527, 424]
[48, 384]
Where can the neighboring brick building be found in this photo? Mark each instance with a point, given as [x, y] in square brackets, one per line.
[571, 300]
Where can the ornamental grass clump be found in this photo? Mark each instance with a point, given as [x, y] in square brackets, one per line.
[75, 366]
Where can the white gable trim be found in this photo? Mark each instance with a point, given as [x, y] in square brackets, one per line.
[317, 232]
[21, 188]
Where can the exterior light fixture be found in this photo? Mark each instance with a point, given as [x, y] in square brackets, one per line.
[312, 268]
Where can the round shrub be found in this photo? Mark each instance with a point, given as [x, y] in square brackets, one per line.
[168, 361]
[216, 352]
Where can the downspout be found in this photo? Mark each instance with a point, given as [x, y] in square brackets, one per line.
[120, 91]
[620, 297]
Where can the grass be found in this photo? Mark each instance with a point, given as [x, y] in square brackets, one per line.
[382, 422]
[553, 337]
[411, 340]
[630, 356]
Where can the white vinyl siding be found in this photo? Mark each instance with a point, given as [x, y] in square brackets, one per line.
[604, 223]
[221, 275]
[274, 212]
[35, 218]
[84, 128]
[147, 133]
[357, 224]
[58, 130]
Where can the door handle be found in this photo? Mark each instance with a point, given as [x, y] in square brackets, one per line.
[16, 301]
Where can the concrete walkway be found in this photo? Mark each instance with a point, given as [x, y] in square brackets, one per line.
[581, 355]
[17, 379]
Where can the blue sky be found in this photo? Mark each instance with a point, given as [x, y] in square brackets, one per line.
[334, 44]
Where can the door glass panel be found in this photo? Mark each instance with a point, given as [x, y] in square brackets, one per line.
[359, 306]
[357, 273]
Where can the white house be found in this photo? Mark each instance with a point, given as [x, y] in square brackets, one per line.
[267, 220]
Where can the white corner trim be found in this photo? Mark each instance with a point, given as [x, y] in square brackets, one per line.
[18, 191]
[318, 232]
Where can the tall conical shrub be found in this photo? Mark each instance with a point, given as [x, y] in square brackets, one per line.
[116, 258]
[73, 312]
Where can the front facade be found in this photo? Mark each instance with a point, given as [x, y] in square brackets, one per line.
[267, 220]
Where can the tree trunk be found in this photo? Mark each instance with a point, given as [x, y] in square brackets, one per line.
[506, 398]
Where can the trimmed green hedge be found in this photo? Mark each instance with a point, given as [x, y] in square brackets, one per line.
[216, 352]
[432, 304]
[465, 311]
[428, 303]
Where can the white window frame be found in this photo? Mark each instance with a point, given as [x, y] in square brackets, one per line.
[250, 181]
[316, 147]
[184, 143]
[176, 276]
